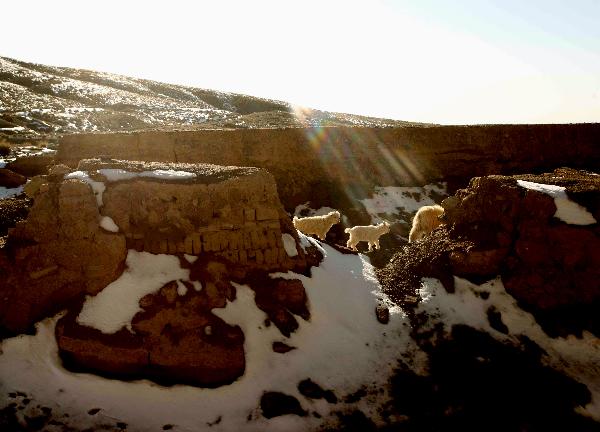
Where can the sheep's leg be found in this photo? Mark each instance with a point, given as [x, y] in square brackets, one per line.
[370, 246]
[377, 244]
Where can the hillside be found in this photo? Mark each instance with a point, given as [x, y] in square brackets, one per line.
[46, 101]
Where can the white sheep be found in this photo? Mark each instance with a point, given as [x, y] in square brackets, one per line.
[318, 225]
[425, 221]
[370, 233]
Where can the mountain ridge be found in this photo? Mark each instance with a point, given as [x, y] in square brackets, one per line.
[41, 101]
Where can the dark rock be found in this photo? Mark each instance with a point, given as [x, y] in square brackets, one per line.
[382, 313]
[282, 348]
[355, 421]
[31, 166]
[280, 299]
[495, 319]
[312, 390]
[13, 210]
[274, 404]
[475, 380]
[10, 179]
[356, 396]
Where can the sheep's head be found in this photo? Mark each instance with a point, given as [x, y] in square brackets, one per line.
[335, 215]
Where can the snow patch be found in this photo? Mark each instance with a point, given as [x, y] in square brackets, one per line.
[10, 192]
[108, 224]
[115, 306]
[289, 244]
[181, 288]
[114, 174]
[566, 210]
[190, 258]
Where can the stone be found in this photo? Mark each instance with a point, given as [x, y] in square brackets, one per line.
[382, 313]
[312, 390]
[31, 166]
[275, 404]
[11, 179]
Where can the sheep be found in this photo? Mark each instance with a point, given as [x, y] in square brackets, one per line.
[370, 233]
[318, 225]
[425, 221]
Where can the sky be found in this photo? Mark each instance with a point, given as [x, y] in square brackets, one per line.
[448, 62]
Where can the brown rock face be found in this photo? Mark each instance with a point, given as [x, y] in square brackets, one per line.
[498, 227]
[175, 339]
[32, 165]
[56, 255]
[325, 164]
[11, 179]
[229, 211]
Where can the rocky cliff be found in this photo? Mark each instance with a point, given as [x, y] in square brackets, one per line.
[331, 166]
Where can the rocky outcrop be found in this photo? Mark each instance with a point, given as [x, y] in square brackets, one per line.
[175, 339]
[61, 251]
[229, 211]
[497, 226]
[30, 166]
[225, 224]
[327, 165]
[58, 253]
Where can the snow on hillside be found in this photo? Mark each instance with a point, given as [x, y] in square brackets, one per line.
[45, 101]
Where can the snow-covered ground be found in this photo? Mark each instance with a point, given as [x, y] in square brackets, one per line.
[10, 192]
[577, 358]
[342, 347]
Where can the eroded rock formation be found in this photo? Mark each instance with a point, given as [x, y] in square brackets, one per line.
[58, 253]
[498, 227]
[227, 222]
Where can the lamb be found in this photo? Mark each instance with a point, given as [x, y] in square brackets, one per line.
[425, 221]
[370, 233]
[318, 225]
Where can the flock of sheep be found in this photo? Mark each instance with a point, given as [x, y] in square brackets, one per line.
[425, 221]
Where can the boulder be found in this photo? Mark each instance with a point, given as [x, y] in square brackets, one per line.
[32, 165]
[11, 179]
